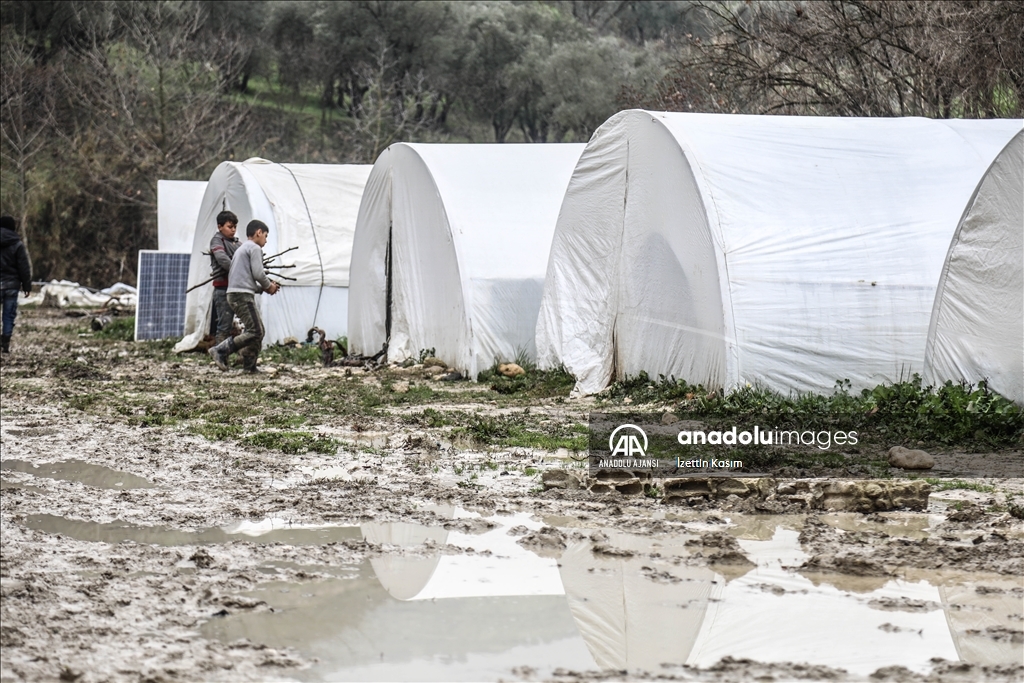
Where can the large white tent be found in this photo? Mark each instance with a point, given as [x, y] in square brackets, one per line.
[977, 325]
[466, 230]
[787, 251]
[309, 206]
[177, 210]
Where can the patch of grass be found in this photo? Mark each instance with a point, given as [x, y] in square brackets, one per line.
[293, 443]
[305, 354]
[904, 412]
[72, 369]
[533, 383]
[284, 420]
[216, 432]
[958, 484]
[430, 417]
[513, 431]
[119, 329]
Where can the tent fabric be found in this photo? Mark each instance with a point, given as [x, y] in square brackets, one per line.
[791, 252]
[469, 227]
[177, 210]
[309, 206]
[977, 324]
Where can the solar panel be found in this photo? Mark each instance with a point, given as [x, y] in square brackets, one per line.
[163, 278]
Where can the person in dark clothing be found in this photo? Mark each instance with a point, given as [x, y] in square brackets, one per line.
[15, 275]
[222, 248]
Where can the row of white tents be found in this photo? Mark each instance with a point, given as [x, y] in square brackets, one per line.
[720, 249]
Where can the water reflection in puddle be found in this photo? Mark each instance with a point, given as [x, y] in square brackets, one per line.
[267, 531]
[620, 602]
[97, 476]
[469, 602]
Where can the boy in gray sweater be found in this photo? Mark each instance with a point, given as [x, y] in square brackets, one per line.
[246, 279]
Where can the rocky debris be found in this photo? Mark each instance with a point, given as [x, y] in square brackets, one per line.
[845, 563]
[560, 479]
[626, 483]
[400, 387]
[474, 525]
[546, 542]
[902, 604]
[690, 489]
[511, 370]
[434, 362]
[856, 496]
[434, 370]
[718, 547]
[518, 530]
[908, 459]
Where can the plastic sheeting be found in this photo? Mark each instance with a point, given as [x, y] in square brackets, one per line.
[977, 325]
[470, 227]
[309, 206]
[177, 209]
[786, 251]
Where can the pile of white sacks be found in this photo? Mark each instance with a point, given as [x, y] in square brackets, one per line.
[64, 293]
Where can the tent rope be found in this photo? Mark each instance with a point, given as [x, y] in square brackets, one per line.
[316, 242]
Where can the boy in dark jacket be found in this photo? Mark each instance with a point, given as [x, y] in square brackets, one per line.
[15, 275]
[222, 248]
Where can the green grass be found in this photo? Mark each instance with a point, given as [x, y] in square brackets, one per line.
[515, 431]
[958, 484]
[533, 383]
[905, 412]
[119, 329]
[293, 443]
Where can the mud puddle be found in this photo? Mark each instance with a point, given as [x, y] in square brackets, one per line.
[96, 476]
[604, 599]
[467, 602]
[267, 531]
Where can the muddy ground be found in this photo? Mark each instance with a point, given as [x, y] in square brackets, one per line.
[109, 577]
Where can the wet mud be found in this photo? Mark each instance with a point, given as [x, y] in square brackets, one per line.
[135, 550]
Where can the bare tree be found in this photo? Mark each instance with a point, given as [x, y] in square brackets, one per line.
[150, 104]
[26, 103]
[938, 58]
[390, 109]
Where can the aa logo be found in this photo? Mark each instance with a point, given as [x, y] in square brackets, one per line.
[628, 444]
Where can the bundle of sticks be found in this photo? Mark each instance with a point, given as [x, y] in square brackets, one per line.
[271, 270]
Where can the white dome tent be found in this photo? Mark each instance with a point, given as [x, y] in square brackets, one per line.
[309, 206]
[977, 325]
[466, 230]
[727, 249]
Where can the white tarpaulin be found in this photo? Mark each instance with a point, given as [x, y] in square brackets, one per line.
[786, 251]
[309, 206]
[177, 210]
[469, 228]
[977, 326]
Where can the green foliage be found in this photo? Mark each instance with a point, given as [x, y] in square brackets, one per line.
[515, 430]
[119, 329]
[304, 354]
[958, 484]
[293, 443]
[216, 432]
[903, 411]
[533, 383]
